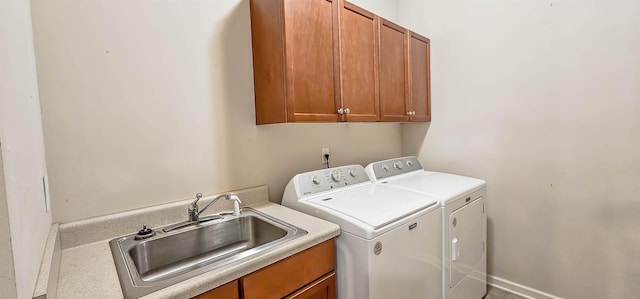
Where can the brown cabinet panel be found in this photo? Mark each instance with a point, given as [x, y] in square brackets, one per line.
[358, 63]
[394, 72]
[420, 77]
[283, 278]
[225, 291]
[295, 60]
[309, 59]
[268, 61]
[313, 58]
[323, 288]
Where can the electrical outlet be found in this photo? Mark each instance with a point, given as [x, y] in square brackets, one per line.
[325, 151]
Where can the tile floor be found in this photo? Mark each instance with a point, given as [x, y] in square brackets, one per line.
[495, 293]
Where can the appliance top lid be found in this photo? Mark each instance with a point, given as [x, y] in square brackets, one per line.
[374, 204]
[444, 186]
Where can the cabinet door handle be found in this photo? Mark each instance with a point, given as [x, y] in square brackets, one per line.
[409, 113]
[347, 110]
[413, 113]
[340, 111]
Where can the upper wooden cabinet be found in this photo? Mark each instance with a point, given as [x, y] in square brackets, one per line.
[295, 58]
[405, 90]
[394, 72]
[330, 60]
[358, 63]
[419, 82]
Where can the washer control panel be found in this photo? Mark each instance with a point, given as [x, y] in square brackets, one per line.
[389, 168]
[330, 178]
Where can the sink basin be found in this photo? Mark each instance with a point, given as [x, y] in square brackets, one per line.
[147, 265]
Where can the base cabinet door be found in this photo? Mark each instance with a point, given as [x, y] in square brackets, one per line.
[309, 274]
[323, 288]
[291, 274]
[225, 291]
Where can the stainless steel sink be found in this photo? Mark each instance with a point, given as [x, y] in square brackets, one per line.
[147, 265]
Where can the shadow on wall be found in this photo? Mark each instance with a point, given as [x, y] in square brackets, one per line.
[490, 243]
[232, 101]
[413, 138]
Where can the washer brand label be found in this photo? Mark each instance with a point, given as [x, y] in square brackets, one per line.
[377, 248]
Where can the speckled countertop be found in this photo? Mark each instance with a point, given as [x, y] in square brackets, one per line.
[87, 269]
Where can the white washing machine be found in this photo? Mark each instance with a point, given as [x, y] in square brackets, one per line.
[464, 222]
[390, 242]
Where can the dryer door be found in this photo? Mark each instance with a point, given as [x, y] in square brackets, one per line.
[466, 237]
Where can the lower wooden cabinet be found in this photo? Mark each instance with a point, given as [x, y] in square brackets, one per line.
[309, 274]
[323, 288]
[225, 291]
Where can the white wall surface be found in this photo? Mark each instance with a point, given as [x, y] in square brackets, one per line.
[146, 102]
[7, 274]
[23, 155]
[541, 99]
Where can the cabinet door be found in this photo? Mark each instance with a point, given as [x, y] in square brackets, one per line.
[394, 72]
[287, 276]
[225, 291]
[311, 60]
[359, 63]
[420, 85]
[323, 288]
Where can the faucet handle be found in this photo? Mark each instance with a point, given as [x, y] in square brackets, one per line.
[194, 204]
[193, 208]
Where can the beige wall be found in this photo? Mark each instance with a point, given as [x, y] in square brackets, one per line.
[7, 274]
[541, 99]
[24, 218]
[146, 102]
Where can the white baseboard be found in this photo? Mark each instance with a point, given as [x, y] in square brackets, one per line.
[518, 289]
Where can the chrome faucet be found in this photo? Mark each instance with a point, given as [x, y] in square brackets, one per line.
[194, 214]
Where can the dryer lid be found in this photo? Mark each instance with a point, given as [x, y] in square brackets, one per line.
[446, 187]
[376, 205]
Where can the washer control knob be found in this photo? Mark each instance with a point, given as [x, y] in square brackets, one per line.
[410, 163]
[335, 176]
[397, 165]
[352, 173]
[385, 168]
[315, 180]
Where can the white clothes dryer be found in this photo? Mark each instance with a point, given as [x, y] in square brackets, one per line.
[464, 224]
[390, 241]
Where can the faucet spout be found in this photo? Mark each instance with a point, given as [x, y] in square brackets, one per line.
[236, 204]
